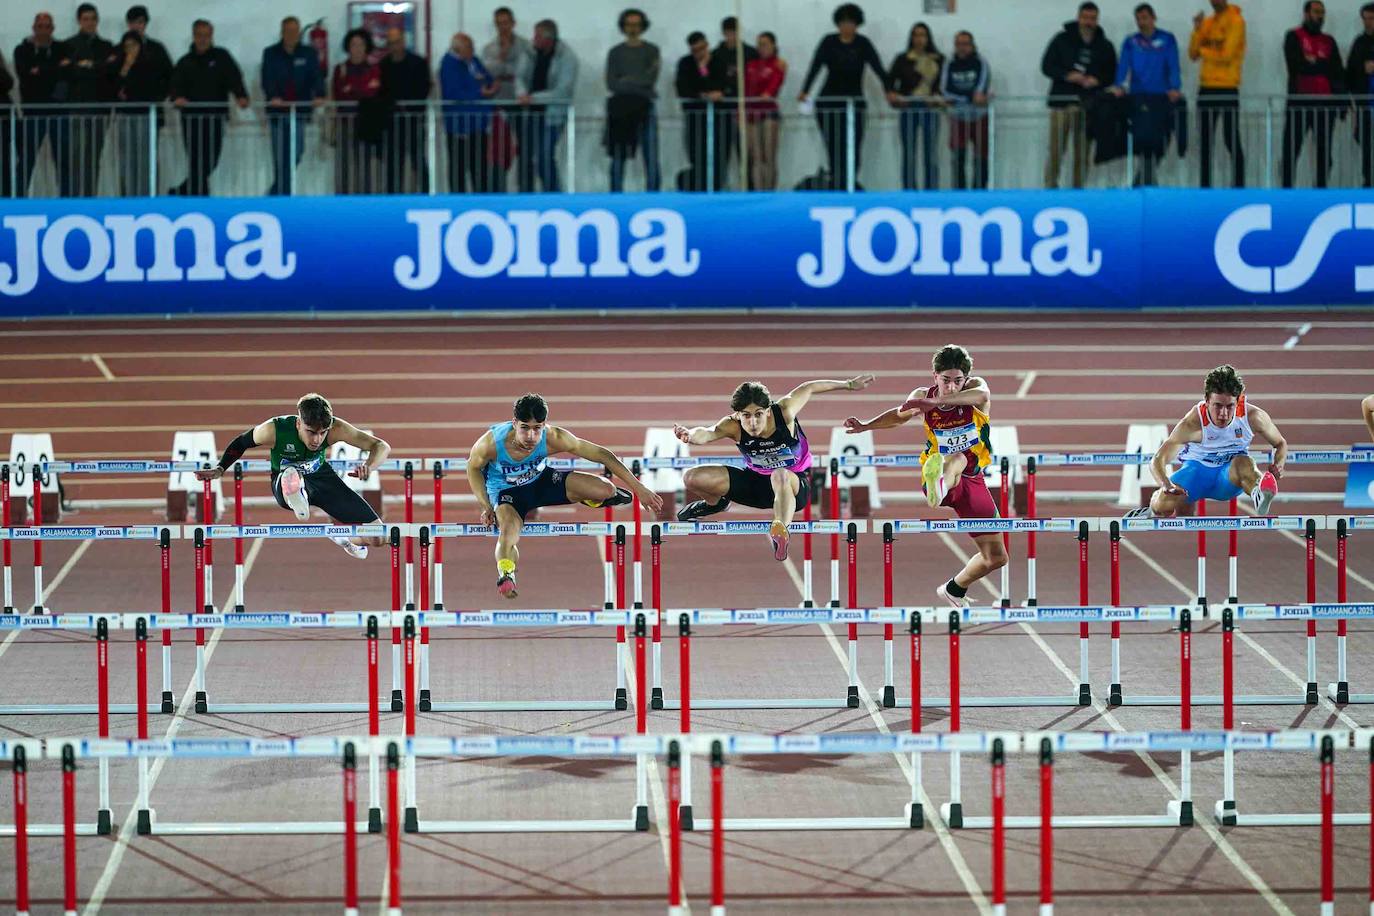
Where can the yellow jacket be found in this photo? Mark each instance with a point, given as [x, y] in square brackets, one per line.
[1220, 43]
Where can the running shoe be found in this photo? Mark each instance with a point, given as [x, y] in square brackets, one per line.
[1264, 494]
[620, 498]
[506, 585]
[954, 602]
[932, 470]
[356, 551]
[779, 536]
[293, 491]
[1142, 512]
[700, 509]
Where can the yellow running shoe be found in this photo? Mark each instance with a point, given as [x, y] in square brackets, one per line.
[932, 470]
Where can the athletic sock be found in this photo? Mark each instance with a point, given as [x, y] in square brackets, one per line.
[505, 567]
[955, 589]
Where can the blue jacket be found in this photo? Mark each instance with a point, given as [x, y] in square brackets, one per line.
[1150, 66]
[295, 75]
[462, 81]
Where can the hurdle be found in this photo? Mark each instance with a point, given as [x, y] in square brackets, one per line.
[1339, 691]
[1309, 525]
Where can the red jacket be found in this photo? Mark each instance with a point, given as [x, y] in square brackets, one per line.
[763, 78]
[354, 82]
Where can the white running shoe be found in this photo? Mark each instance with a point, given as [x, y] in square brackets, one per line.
[1264, 494]
[356, 551]
[954, 602]
[293, 491]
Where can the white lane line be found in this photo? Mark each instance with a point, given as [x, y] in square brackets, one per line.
[188, 697]
[1222, 844]
[1293, 341]
[52, 585]
[942, 834]
[104, 369]
[1026, 385]
[1240, 634]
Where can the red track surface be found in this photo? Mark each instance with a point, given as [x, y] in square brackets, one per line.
[430, 385]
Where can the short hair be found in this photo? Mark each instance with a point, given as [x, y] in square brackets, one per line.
[729, 24]
[85, 8]
[848, 12]
[131, 34]
[771, 37]
[1367, 8]
[548, 27]
[503, 9]
[137, 11]
[364, 34]
[751, 394]
[1087, 6]
[695, 37]
[315, 410]
[952, 356]
[202, 22]
[1223, 380]
[632, 11]
[1306, 7]
[530, 408]
[1145, 8]
[286, 19]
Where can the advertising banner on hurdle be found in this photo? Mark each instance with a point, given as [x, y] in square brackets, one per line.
[1110, 249]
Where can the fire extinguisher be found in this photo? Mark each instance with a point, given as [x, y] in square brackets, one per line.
[319, 39]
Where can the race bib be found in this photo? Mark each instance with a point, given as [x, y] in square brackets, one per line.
[956, 439]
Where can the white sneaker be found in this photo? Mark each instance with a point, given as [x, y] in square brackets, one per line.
[356, 551]
[293, 491]
[954, 602]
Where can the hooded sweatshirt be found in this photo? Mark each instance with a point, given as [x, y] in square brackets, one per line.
[1066, 53]
[1220, 44]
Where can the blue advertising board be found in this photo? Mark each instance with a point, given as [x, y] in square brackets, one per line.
[1107, 250]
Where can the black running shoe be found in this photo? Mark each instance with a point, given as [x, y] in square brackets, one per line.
[621, 498]
[700, 509]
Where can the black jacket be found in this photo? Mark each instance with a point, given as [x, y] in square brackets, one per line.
[1357, 82]
[406, 80]
[40, 79]
[148, 80]
[6, 84]
[727, 58]
[209, 77]
[691, 83]
[87, 72]
[1066, 53]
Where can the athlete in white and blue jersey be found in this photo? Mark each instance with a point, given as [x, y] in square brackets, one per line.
[1212, 444]
[509, 471]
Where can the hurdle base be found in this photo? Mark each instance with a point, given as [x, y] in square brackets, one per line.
[656, 698]
[622, 699]
[952, 813]
[915, 815]
[806, 823]
[38, 609]
[202, 702]
[1075, 821]
[684, 817]
[145, 821]
[1182, 811]
[412, 820]
[254, 828]
[943, 702]
[1114, 695]
[1215, 700]
[238, 609]
[426, 704]
[1085, 695]
[755, 703]
[889, 696]
[374, 820]
[104, 825]
[618, 825]
[523, 706]
[641, 818]
[1224, 813]
[397, 703]
[1312, 819]
[438, 605]
[1312, 697]
[851, 698]
[1339, 693]
[57, 830]
[168, 705]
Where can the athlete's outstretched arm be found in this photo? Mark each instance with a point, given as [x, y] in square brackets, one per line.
[481, 454]
[1367, 407]
[793, 402]
[888, 419]
[726, 428]
[1264, 427]
[377, 449]
[265, 433]
[1185, 430]
[975, 393]
[560, 440]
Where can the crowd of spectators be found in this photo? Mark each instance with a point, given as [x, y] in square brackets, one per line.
[506, 107]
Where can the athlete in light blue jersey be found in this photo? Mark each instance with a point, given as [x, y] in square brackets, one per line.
[509, 471]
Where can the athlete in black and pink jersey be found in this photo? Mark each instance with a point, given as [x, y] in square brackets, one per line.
[776, 454]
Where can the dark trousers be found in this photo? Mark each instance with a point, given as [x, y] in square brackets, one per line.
[647, 138]
[919, 120]
[78, 141]
[203, 134]
[1222, 105]
[962, 135]
[538, 144]
[286, 153]
[1365, 129]
[405, 146]
[1301, 117]
[467, 163]
[832, 118]
[706, 139]
[6, 185]
[33, 130]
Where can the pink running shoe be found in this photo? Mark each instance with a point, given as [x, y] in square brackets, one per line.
[779, 535]
[293, 491]
[1264, 494]
[506, 585]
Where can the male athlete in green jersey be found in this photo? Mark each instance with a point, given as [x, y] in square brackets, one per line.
[301, 474]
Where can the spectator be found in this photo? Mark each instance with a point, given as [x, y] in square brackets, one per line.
[407, 84]
[700, 85]
[85, 67]
[1359, 80]
[1079, 61]
[1149, 64]
[727, 54]
[763, 78]
[464, 79]
[544, 85]
[6, 84]
[914, 88]
[631, 73]
[206, 76]
[1314, 70]
[1219, 42]
[843, 53]
[360, 115]
[501, 56]
[964, 86]
[141, 71]
[37, 64]
[294, 86]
